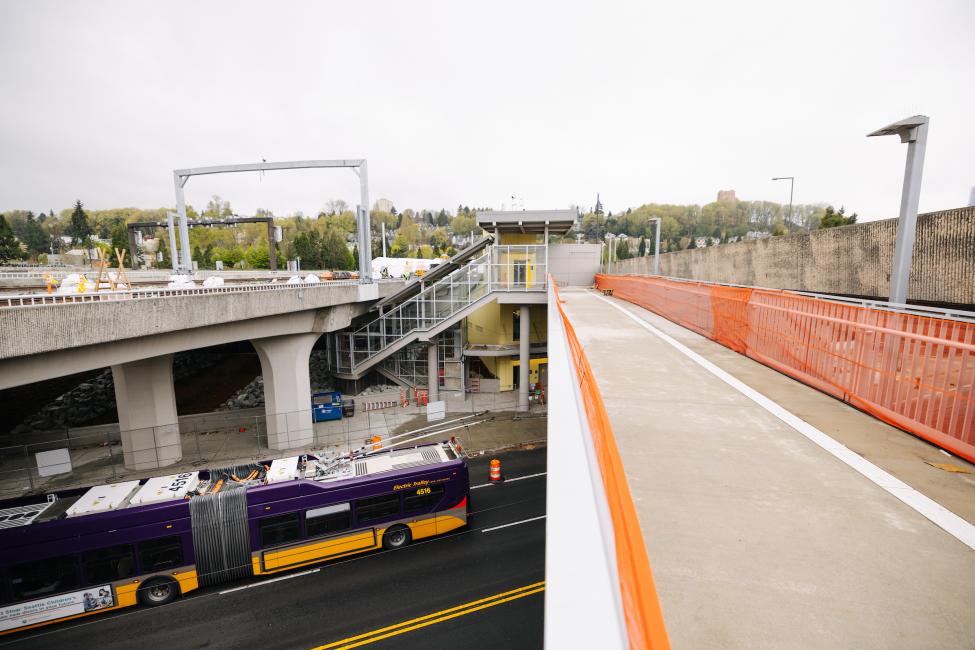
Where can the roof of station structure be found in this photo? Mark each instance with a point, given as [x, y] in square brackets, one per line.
[559, 222]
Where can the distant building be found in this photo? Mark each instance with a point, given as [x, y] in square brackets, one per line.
[701, 242]
[726, 195]
[757, 234]
[383, 205]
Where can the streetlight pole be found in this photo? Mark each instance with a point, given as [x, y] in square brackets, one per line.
[656, 247]
[913, 131]
[791, 186]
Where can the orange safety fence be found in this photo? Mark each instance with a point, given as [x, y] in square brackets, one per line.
[914, 372]
[644, 619]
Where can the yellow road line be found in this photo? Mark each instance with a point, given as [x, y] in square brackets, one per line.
[436, 617]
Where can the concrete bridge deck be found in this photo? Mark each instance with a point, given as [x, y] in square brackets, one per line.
[758, 536]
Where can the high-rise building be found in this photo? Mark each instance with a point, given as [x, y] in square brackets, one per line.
[383, 205]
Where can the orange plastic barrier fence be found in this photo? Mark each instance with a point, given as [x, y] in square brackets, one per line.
[914, 372]
[645, 627]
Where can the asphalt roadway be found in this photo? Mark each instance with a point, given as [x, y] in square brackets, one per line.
[473, 588]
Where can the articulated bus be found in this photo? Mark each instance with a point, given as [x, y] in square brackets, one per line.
[85, 551]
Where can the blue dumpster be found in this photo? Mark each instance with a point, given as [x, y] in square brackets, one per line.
[326, 405]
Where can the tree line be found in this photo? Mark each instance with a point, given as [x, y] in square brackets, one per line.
[327, 240]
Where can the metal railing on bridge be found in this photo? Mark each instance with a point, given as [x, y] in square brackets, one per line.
[41, 299]
[911, 367]
[600, 586]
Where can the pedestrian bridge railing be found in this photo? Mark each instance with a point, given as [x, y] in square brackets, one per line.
[43, 300]
[600, 590]
[911, 367]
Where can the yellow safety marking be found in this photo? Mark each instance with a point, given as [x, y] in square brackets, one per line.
[436, 617]
[948, 467]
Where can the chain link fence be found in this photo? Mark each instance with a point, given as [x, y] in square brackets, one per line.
[67, 458]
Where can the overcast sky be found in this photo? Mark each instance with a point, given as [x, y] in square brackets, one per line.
[453, 102]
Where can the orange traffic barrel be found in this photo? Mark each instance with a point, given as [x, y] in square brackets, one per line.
[495, 470]
[377, 443]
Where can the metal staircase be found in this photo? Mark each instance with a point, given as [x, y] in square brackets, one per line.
[438, 306]
[408, 366]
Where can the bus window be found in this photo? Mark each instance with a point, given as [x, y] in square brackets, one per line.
[279, 530]
[418, 502]
[161, 553]
[375, 508]
[36, 579]
[330, 519]
[108, 564]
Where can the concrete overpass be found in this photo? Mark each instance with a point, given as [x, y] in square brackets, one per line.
[136, 333]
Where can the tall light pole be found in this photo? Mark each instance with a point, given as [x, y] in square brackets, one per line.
[913, 131]
[792, 182]
[656, 247]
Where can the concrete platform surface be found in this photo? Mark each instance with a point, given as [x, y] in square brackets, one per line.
[759, 538]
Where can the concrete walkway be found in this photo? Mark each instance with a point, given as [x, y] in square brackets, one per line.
[758, 537]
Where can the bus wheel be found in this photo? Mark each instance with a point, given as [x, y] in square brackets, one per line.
[396, 537]
[158, 591]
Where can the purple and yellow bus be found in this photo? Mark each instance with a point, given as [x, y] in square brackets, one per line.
[85, 551]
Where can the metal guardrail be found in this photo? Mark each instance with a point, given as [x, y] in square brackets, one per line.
[60, 272]
[914, 371]
[883, 305]
[42, 300]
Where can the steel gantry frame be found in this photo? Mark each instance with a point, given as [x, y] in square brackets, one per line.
[168, 224]
[358, 165]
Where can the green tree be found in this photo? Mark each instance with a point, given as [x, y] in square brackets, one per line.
[34, 237]
[335, 254]
[622, 249]
[80, 227]
[442, 219]
[120, 240]
[229, 256]
[258, 256]
[642, 250]
[167, 260]
[217, 208]
[400, 247]
[306, 247]
[463, 224]
[9, 248]
[410, 232]
[831, 219]
[439, 239]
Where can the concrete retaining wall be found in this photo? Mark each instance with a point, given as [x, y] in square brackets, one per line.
[574, 265]
[852, 260]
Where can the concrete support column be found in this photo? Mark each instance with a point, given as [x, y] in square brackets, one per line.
[433, 372]
[287, 389]
[524, 356]
[148, 423]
